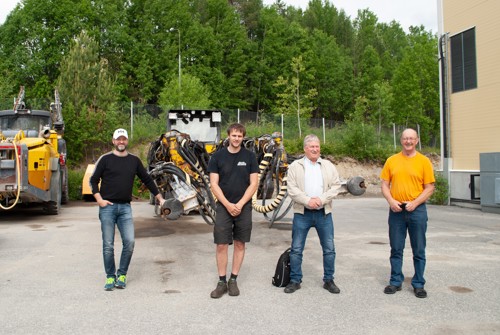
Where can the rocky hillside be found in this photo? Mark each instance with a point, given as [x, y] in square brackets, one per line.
[348, 168]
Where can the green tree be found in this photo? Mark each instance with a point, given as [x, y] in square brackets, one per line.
[359, 139]
[87, 92]
[228, 60]
[382, 99]
[322, 15]
[393, 44]
[280, 42]
[416, 85]
[291, 100]
[370, 72]
[152, 54]
[366, 34]
[332, 72]
[194, 94]
[84, 80]
[37, 35]
[249, 12]
[32, 41]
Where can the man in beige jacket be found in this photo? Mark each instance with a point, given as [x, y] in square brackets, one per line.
[313, 182]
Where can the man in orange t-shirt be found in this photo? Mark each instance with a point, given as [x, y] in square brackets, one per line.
[407, 183]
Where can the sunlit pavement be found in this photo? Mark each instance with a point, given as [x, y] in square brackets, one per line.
[52, 277]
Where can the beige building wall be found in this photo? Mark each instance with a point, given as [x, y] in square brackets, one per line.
[475, 114]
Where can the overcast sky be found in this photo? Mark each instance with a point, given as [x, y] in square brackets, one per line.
[406, 12]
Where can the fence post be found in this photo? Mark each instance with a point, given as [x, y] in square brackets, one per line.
[394, 134]
[419, 142]
[131, 120]
[238, 115]
[324, 131]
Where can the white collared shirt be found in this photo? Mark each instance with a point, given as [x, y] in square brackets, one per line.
[313, 179]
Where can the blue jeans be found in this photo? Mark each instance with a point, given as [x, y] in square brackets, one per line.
[121, 216]
[416, 224]
[324, 227]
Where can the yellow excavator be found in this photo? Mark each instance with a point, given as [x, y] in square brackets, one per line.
[33, 167]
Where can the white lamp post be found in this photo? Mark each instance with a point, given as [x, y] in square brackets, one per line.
[179, 54]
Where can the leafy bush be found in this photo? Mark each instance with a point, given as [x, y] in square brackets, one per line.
[75, 178]
[440, 195]
[294, 146]
[88, 132]
[359, 141]
[148, 128]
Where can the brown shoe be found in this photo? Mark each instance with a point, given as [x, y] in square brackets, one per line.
[219, 290]
[232, 288]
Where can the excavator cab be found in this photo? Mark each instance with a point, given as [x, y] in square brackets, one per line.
[201, 125]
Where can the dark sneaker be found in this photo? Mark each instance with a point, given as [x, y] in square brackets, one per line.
[219, 290]
[232, 288]
[292, 287]
[420, 292]
[391, 289]
[331, 287]
[121, 282]
[110, 284]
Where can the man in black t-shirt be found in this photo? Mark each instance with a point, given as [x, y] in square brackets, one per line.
[116, 171]
[233, 178]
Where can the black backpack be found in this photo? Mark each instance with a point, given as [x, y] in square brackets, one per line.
[282, 274]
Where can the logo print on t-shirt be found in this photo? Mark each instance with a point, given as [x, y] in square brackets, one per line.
[242, 164]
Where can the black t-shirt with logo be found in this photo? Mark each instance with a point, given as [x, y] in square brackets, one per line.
[234, 171]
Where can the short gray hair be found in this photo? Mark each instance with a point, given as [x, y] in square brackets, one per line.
[310, 138]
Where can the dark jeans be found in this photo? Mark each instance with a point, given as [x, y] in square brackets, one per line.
[324, 227]
[416, 224]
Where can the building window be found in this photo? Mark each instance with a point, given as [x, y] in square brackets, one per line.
[463, 61]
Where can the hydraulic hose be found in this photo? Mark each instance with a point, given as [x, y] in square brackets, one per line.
[275, 203]
[193, 161]
[19, 136]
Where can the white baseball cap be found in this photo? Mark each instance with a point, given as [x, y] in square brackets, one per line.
[120, 132]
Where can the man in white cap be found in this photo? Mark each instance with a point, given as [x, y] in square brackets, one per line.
[116, 171]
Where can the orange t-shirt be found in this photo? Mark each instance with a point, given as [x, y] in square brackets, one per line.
[407, 175]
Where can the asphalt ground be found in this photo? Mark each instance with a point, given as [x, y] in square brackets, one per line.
[52, 276]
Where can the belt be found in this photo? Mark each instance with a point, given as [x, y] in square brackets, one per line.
[314, 210]
[120, 202]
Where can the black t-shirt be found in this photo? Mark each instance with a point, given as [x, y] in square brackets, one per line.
[116, 175]
[234, 171]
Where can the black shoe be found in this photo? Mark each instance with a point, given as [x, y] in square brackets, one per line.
[331, 287]
[391, 289]
[420, 292]
[292, 287]
[219, 290]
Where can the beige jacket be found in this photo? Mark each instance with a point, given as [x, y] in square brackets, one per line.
[295, 184]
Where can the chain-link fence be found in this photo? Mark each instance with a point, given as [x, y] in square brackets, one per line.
[264, 123]
[43, 104]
